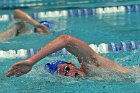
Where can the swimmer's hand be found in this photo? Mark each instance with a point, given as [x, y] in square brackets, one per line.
[42, 29]
[20, 68]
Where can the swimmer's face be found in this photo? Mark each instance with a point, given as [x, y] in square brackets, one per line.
[69, 69]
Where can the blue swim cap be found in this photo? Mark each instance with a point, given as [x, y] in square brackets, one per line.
[47, 23]
[53, 66]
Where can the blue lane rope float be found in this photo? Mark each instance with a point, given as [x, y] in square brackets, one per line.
[123, 46]
[31, 52]
[79, 12]
[101, 48]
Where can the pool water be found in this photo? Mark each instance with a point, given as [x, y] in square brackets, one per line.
[92, 30]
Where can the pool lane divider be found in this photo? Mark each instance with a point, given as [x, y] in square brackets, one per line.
[102, 48]
[79, 12]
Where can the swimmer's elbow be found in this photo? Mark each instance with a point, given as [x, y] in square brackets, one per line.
[65, 38]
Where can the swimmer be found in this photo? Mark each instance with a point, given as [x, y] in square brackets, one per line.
[89, 60]
[20, 26]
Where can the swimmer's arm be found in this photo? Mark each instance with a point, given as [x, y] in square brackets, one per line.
[25, 17]
[75, 46]
[86, 56]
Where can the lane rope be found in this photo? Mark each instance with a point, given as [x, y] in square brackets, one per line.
[101, 48]
[79, 12]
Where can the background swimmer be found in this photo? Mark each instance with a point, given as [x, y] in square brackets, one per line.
[20, 26]
[91, 62]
